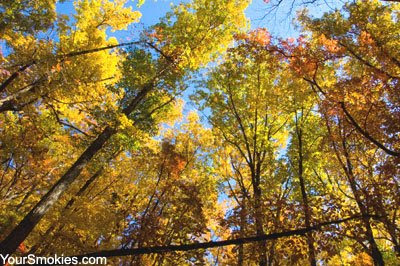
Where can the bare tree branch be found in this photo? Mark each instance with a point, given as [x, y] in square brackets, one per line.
[213, 244]
[366, 134]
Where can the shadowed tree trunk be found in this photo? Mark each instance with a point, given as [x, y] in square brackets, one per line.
[242, 231]
[306, 207]
[28, 223]
[347, 166]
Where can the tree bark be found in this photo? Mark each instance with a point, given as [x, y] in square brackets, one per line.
[375, 252]
[242, 231]
[67, 207]
[306, 207]
[22, 68]
[259, 222]
[28, 223]
[213, 244]
[366, 134]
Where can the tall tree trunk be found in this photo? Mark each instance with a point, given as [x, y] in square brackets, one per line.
[306, 207]
[390, 225]
[242, 231]
[374, 250]
[28, 223]
[67, 207]
[392, 229]
[240, 255]
[348, 170]
[259, 222]
[271, 254]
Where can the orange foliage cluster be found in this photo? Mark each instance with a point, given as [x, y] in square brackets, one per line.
[330, 45]
[260, 36]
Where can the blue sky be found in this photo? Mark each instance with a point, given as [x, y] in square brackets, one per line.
[279, 23]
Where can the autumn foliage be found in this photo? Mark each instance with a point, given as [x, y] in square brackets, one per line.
[287, 147]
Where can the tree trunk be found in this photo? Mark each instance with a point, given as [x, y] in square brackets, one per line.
[391, 227]
[68, 206]
[28, 223]
[306, 207]
[348, 170]
[242, 231]
[259, 224]
[374, 250]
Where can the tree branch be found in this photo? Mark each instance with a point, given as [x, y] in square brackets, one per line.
[212, 244]
[22, 68]
[366, 134]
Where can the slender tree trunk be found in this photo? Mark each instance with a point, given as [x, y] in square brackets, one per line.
[67, 207]
[348, 170]
[271, 254]
[375, 252]
[391, 228]
[390, 225]
[242, 231]
[259, 223]
[240, 255]
[306, 207]
[28, 223]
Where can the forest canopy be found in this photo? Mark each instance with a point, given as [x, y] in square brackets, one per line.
[201, 139]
